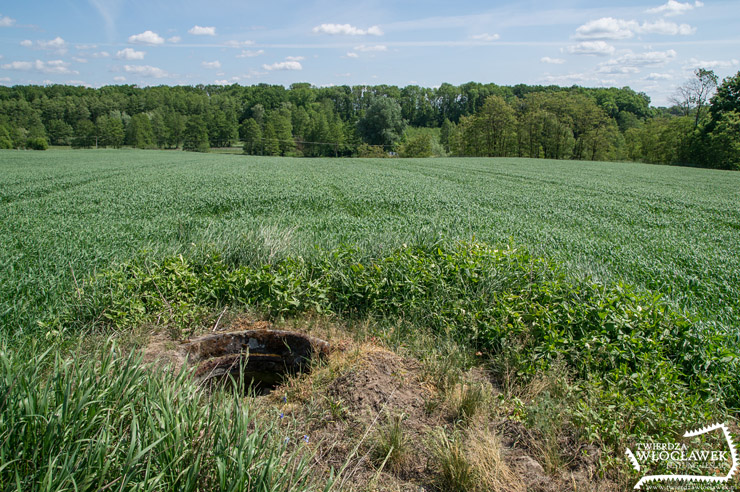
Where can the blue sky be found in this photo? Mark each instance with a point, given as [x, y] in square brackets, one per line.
[650, 45]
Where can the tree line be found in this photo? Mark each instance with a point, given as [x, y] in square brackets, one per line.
[472, 119]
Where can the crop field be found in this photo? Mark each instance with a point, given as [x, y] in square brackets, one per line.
[617, 284]
[65, 214]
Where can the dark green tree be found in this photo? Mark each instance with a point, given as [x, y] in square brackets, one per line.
[59, 132]
[195, 136]
[139, 133]
[382, 123]
[85, 135]
[252, 137]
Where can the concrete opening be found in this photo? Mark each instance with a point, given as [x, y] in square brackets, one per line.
[259, 359]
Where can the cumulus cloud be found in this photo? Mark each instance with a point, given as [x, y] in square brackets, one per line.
[146, 37]
[347, 30]
[658, 76]
[351, 54]
[286, 65]
[101, 54]
[485, 37]
[57, 44]
[710, 64]
[674, 8]
[666, 28]
[174, 39]
[79, 60]
[377, 47]
[221, 82]
[618, 29]
[6, 21]
[53, 66]
[607, 28]
[145, 71]
[598, 48]
[630, 63]
[202, 31]
[130, 54]
[295, 58]
[120, 78]
[213, 64]
[648, 58]
[250, 53]
[553, 61]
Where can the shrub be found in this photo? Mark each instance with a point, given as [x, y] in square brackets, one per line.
[37, 143]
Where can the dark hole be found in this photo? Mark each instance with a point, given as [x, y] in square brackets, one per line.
[255, 360]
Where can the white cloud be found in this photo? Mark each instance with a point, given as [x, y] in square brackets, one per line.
[598, 48]
[666, 28]
[213, 64]
[710, 64]
[617, 69]
[351, 54]
[648, 58]
[553, 61]
[238, 44]
[4, 79]
[6, 21]
[146, 37]
[295, 58]
[617, 29]
[79, 60]
[130, 54]
[658, 76]
[347, 30]
[674, 8]
[145, 71]
[174, 39]
[57, 44]
[53, 66]
[286, 65]
[578, 79]
[78, 82]
[631, 63]
[250, 53]
[347, 74]
[101, 54]
[485, 37]
[202, 31]
[377, 47]
[221, 82]
[120, 78]
[86, 46]
[607, 28]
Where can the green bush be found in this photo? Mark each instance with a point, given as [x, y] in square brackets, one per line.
[37, 143]
[630, 348]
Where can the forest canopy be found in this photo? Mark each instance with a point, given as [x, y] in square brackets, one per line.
[702, 128]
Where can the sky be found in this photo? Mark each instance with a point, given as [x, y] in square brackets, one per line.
[652, 46]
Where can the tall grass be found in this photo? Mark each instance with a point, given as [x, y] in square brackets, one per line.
[107, 422]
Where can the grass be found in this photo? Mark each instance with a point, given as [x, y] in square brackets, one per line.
[623, 279]
[105, 421]
[64, 214]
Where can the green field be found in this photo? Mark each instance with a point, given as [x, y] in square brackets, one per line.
[671, 230]
[616, 284]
